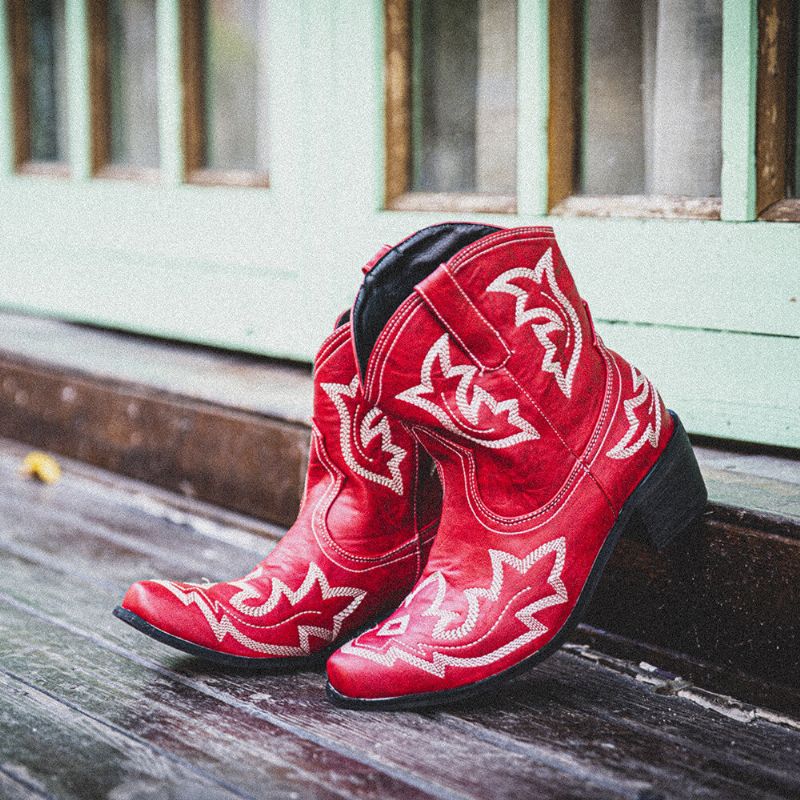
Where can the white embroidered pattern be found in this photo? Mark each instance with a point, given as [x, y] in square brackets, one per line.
[394, 627]
[636, 436]
[438, 662]
[468, 408]
[350, 432]
[562, 318]
[222, 625]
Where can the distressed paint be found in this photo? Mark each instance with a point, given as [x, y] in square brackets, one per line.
[6, 116]
[739, 62]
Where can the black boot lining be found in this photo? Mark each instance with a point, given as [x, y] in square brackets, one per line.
[394, 277]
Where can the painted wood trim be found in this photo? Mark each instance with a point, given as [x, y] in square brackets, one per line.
[6, 82]
[775, 116]
[739, 72]
[566, 75]
[533, 98]
[170, 42]
[79, 79]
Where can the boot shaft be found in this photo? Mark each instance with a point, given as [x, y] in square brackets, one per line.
[494, 351]
[362, 463]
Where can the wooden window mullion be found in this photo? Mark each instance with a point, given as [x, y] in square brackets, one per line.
[19, 30]
[776, 111]
[563, 129]
[99, 85]
[398, 99]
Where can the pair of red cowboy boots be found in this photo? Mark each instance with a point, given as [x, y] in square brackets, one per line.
[468, 345]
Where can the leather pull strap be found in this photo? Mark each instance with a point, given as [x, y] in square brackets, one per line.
[444, 296]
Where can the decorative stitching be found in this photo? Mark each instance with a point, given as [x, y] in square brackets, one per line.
[368, 430]
[652, 432]
[439, 661]
[221, 624]
[468, 408]
[566, 321]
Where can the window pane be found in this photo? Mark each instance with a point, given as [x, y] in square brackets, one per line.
[48, 91]
[133, 82]
[464, 86]
[652, 97]
[235, 85]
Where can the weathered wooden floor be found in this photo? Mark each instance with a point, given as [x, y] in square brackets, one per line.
[89, 708]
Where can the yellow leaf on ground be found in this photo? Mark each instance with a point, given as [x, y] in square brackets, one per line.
[42, 466]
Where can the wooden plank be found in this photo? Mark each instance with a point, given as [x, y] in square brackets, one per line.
[564, 731]
[787, 210]
[453, 201]
[18, 785]
[225, 743]
[608, 719]
[192, 38]
[293, 701]
[739, 70]
[238, 381]
[413, 749]
[259, 464]
[76, 756]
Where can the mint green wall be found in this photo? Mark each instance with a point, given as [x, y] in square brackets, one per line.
[706, 308]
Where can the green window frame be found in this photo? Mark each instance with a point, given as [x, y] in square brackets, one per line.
[708, 308]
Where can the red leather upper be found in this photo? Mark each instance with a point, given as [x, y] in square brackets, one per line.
[358, 545]
[539, 434]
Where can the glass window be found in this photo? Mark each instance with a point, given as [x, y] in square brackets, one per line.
[652, 98]
[234, 92]
[463, 96]
[133, 84]
[48, 90]
[39, 97]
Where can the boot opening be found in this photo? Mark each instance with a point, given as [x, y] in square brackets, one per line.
[394, 277]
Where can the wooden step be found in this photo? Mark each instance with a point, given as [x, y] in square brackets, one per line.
[233, 431]
[90, 708]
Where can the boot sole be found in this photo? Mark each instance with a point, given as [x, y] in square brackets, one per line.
[268, 665]
[664, 505]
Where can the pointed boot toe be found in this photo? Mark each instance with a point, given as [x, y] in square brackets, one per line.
[362, 536]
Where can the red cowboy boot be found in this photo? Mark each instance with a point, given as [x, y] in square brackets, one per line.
[364, 530]
[549, 447]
